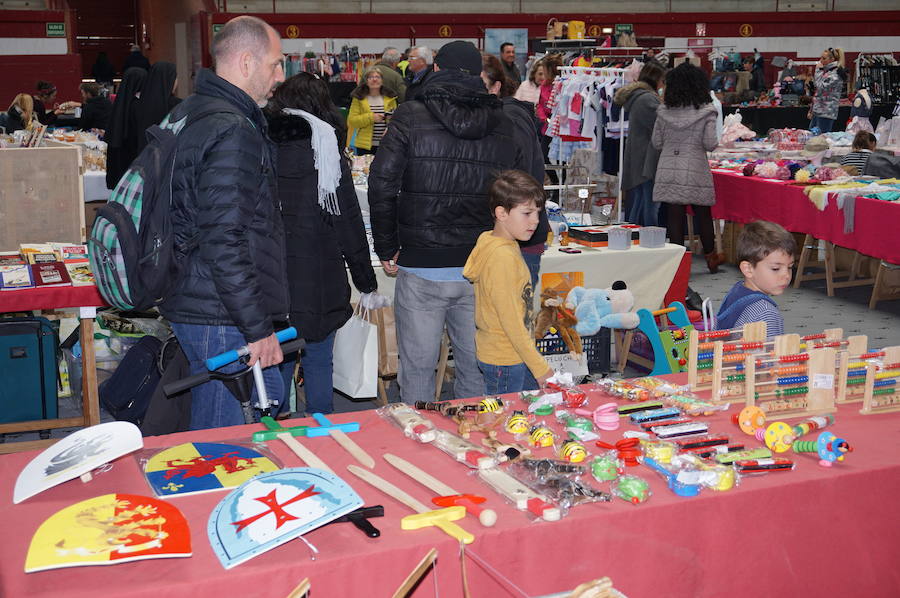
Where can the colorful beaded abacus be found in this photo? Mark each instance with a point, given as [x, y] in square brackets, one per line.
[882, 383]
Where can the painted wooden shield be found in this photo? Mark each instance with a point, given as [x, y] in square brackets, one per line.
[75, 455]
[274, 508]
[109, 529]
[195, 467]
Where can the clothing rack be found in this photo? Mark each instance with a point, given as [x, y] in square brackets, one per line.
[601, 71]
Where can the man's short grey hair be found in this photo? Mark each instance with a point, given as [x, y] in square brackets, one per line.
[240, 34]
[391, 55]
[425, 54]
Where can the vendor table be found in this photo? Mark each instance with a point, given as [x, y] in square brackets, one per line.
[813, 531]
[745, 199]
[86, 299]
[760, 118]
[647, 272]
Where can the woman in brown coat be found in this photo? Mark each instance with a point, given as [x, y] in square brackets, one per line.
[685, 130]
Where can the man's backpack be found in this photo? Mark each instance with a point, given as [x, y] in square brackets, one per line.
[132, 244]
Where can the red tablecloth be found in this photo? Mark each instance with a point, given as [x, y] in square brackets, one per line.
[814, 530]
[50, 298]
[745, 199]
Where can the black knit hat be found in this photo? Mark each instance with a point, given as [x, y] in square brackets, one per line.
[461, 56]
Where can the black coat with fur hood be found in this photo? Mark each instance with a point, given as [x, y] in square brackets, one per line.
[318, 244]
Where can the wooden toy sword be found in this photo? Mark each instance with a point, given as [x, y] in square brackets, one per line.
[441, 518]
[446, 496]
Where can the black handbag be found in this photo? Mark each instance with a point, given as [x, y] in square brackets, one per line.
[126, 394]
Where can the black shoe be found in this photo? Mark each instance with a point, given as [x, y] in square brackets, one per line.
[693, 300]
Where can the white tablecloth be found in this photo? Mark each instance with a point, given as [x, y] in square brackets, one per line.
[647, 272]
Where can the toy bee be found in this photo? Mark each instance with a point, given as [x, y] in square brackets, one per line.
[517, 423]
[541, 436]
[573, 451]
[490, 405]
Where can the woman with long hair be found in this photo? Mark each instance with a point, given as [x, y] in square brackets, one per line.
[372, 105]
[323, 224]
[20, 114]
[684, 131]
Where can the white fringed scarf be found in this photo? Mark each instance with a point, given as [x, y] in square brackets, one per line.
[327, 159]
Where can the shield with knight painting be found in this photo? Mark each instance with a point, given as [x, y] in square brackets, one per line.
[274, 508]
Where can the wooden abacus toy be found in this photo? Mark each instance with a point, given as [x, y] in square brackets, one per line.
[852, 366]
[881, 394]
[791, 383]
[702, 349]
[708, 369]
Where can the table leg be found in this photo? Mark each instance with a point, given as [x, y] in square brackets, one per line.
[89, 392]
[876, 288]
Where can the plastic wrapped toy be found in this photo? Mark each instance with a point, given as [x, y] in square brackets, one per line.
[631, 488]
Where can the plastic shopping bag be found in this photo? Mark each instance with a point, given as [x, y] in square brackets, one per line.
[356, 357]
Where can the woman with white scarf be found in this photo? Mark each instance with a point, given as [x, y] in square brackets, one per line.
[323, 225]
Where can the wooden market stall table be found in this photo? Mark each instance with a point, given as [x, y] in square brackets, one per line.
[829, 530]
[647, 272]
[87, 299]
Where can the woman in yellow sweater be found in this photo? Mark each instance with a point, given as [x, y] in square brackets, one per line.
[372, 106]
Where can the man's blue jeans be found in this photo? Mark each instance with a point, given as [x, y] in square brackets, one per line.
[501, 379]
[643, 209]
[824, 124]
[212, 405]
[421, 309]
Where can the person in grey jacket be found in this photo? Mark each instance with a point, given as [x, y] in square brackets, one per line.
[685, 130]
[829, 88]
[640, 100]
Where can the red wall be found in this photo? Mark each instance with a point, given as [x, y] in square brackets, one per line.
[21, 72]
[781, 24]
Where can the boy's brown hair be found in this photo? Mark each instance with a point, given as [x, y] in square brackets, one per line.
[864, 140]
[513, 188]
[759, 239]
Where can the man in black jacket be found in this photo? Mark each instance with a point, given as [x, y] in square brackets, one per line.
[428, 203]
[226, 218]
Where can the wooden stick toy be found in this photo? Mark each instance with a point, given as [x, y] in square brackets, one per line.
[339, 433]
[440, 518]
[286, 435]
[462, 450]
[829, 447]
[778, 436]
[446, 496]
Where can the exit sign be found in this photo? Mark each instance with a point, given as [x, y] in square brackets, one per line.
[56, 29]
[217, 28]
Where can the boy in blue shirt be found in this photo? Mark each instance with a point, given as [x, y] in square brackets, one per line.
[765, 253]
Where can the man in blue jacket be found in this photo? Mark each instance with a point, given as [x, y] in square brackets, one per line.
[226, 219]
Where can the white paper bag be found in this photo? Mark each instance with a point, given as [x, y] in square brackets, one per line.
[356, 357]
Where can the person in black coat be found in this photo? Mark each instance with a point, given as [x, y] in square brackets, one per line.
[428, 202]
[323, 224]
[228, 233]
[136, 59]
[95, 108]
[529, 127]
[121, 132]
[156, 100]
[103, 71]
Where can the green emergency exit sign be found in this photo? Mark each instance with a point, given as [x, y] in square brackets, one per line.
[217, 28]
[56, 29]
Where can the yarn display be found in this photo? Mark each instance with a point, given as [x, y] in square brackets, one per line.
[749, 168]
[802, 175]
[767, 170]
[783, 173]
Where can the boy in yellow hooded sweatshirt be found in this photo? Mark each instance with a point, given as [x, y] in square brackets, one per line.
[504, 304]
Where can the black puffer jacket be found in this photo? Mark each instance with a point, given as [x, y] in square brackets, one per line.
[428, 183]
[318, 243]
[223, 192]
[529, 127]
